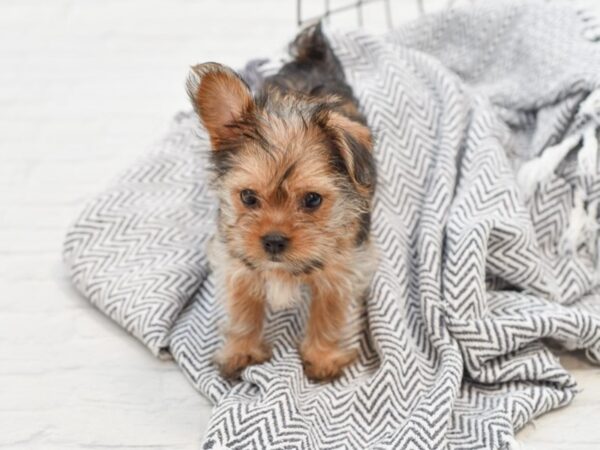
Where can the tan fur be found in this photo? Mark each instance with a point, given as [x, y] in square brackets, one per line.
[332, 296]
[220, 99]
[281, 152]
[244, 345]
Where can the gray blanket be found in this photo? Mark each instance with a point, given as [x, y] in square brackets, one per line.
[485, 216]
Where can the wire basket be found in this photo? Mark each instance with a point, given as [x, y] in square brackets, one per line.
[308, 12]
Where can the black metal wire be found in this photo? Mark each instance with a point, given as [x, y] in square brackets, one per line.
[328, 12]
[358, 5]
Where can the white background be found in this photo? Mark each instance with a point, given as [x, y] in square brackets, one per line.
[85, 87]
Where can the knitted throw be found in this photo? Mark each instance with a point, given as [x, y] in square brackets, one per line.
[486, 219]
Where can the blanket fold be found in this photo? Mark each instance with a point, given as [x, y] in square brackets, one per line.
[486, 218]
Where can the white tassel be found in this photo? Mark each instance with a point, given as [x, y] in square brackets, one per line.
[589, 232]
[587, 158]
[539, 169]
[583, 227]
[591, 105]
[572, 236]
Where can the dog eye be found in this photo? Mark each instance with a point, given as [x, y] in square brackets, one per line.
[312, 200]
[249, 198]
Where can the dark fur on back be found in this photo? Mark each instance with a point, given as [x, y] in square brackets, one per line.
[315, 71]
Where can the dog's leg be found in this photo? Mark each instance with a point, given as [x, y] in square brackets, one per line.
[244, 343]
[322, 356]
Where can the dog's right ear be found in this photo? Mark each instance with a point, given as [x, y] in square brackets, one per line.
[221, 98]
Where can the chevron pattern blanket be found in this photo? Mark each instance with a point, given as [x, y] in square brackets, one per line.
[486, 219]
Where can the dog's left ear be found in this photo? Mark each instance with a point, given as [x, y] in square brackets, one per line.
[354, 143]
[221, 98]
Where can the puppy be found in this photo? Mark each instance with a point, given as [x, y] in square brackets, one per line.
[295, 176]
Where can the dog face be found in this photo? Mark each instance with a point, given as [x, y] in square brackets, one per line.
[293, 173]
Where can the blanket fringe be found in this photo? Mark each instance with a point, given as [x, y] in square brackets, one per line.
[591, 105]
[583, 227]
[587, 158]
[538, 170]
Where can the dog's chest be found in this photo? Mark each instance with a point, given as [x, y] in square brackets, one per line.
[281, 293]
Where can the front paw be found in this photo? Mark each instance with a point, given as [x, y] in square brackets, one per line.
[233, 359]
[325, 365]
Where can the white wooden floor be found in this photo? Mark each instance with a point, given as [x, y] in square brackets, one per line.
[85, 86]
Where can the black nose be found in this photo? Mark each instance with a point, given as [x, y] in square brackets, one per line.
[274, 243]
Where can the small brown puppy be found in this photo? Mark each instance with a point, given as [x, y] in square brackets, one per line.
[294, 173]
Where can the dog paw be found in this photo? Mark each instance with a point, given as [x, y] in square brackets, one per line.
[326, 365]
[233, 361]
